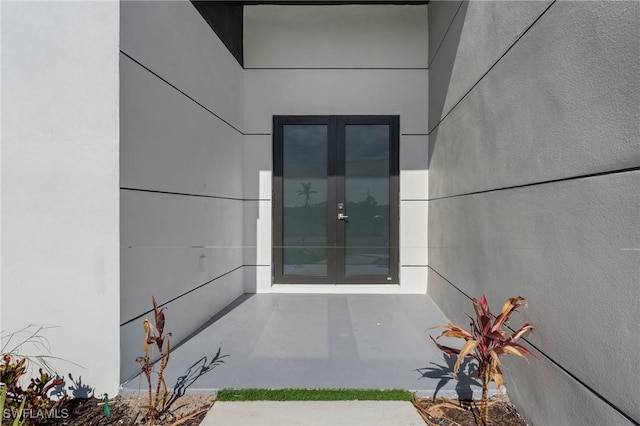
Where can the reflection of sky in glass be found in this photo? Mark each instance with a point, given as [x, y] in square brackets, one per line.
[367, 192]
[305, 162]
[367, 162]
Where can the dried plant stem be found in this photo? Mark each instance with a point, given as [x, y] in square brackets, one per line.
[485, 406]
[189, 417]
[155, 336]
[430, 413]
[150, 387]
[163, 365]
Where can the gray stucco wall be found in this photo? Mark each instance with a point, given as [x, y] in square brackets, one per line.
[59, 178]
[534, 170]
[181, 171]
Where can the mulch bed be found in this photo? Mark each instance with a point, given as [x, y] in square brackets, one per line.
[189, 410]
[453, 412]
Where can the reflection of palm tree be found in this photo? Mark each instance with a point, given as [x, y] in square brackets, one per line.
[370, 200]
[306, 191]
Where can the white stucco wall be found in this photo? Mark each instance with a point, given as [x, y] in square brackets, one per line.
[60, 201]
[181, 171]
[335, 60]
[533, 132]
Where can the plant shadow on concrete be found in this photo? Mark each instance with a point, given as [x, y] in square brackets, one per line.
[193, 373]
[466, 376]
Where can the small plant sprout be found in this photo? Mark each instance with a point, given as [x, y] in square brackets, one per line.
[106, 409]
[486, 342]
[155, 336]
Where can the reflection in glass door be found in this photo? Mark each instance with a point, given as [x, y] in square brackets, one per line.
[366, 187]
[304, 199]
[335, 199]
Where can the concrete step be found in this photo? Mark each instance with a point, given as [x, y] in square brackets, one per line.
[313, 413]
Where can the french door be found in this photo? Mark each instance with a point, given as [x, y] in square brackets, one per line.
[335, 199]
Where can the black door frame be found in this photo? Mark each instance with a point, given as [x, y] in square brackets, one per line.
[335, 178]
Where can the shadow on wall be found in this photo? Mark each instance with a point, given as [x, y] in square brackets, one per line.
[76, 389]
[465, 378]
[440, 70]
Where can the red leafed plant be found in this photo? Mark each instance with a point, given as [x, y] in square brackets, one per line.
[154, 335]
[486, 342]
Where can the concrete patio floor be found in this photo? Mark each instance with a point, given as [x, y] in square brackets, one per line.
[317, 341]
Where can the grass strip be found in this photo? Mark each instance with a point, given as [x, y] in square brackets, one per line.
[314, 395]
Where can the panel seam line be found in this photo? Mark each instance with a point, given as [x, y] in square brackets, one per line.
[186, 194]
[435, 54]
[182, 92]
[544, 182]
[181, 295]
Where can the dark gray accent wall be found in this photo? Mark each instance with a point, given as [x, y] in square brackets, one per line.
[533, 177]
[225, 18]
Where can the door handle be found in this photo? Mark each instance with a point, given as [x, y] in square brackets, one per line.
[342, 216]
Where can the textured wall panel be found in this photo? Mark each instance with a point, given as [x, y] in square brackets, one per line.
[335, 92]
[414, 173]
[557, 113]
[173, 40]
[179, 105]
[480, 33]
[183, 316]
[540, 389]
[199, 237]
[347, 36]
[169, 143]
[441, 14]
[561, 104]
[571, 249]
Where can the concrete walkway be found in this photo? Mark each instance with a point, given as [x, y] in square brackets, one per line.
[317, 341]
[313, 413]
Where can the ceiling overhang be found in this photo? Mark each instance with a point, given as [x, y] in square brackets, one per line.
[226, 17]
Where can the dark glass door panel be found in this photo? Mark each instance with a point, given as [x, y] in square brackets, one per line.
[366, 182]
[304, 198]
